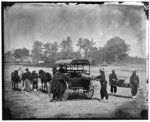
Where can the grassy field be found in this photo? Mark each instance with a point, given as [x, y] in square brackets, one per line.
[36, 105]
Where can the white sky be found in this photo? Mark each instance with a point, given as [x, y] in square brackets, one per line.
[25, 23]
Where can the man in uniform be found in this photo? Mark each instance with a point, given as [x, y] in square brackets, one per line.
[61, 69]
[103, 90]
[62, 83]
[35, 80]
[134, 81]
[54, 70]
[55, 87]
[27, 79]
[112, 82]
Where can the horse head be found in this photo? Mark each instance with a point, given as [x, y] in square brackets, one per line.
[41, 73]
[48, 77]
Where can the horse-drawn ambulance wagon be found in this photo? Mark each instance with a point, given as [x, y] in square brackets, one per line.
[77, 76]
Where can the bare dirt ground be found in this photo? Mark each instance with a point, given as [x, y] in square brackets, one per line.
[35, 105]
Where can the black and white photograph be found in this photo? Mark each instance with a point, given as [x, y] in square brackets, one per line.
[75, 60]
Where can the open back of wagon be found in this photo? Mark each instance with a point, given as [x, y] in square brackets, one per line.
[77, 76]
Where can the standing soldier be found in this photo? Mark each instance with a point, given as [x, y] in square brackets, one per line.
[54, 70]
[61, 69]
[103, 91]
[55, 87]
[134, 81]
[27, 79]
[35, 80]
[62, 86]
[112, 82]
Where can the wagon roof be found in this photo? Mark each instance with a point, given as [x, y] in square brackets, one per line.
[73, 62]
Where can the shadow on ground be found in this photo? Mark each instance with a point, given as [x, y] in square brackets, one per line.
[7, 114]
[78, 97]
[122, 96]
[131, 110]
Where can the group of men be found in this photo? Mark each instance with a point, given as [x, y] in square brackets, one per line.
[58, 84]
[26, 78]
[59, 87]
[134, 84]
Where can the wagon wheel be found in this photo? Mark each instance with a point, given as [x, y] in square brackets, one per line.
[89, 93]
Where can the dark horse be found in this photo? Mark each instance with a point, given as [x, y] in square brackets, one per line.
[15, 79]
[45, 78]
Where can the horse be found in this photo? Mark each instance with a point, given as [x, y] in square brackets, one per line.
[45, 77]
[15, 79]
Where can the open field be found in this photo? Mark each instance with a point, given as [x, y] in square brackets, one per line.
[36, 105]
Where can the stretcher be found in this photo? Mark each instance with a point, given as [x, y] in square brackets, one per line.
[121, 83]
[125, 86]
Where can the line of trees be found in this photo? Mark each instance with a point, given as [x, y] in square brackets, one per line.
[115, 51]
[18, 53]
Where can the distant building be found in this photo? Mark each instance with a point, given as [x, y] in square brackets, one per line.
[18, 60]
[40, 62]
[27, 59]
[9, 59]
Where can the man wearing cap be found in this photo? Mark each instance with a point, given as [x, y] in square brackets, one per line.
[61, 69]
[55, 87]
[103, 91]
[27, 79]
[134, 81]
[54, 70]
[112, 82]
[35, 80]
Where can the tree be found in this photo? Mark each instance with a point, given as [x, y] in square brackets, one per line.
[46, 52]
[54, 49]
[47, 49]
[50, 52]
[79, 44]
[76, 55]
[116, 49]
[37, 51]
[8, 54]
[86, 46]
[25, 52]
[19, 53]
[66, 48]
[93, 55]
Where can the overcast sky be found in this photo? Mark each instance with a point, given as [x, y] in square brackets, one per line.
[25, 23]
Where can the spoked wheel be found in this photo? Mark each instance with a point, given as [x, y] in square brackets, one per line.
[89, 93]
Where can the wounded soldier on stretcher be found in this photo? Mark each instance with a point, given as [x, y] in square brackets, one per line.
[86, 75]
[121, 83]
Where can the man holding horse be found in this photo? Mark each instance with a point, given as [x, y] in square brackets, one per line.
[27, 77]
